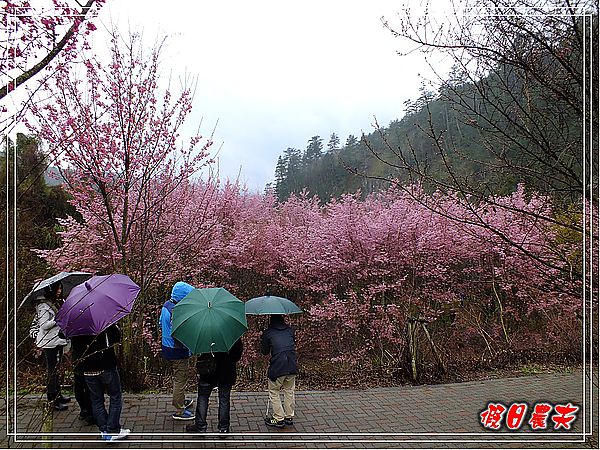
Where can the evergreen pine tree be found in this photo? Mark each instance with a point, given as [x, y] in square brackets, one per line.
[314, 149]
[334, 143]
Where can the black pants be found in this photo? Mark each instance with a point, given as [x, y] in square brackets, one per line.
[82, 395]
[204, 390]
[53, 358]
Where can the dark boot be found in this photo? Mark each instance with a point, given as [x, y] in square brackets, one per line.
[58, 406]
[193, 428]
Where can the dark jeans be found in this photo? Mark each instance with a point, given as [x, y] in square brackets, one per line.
[53, 358]
[82, 395]
[110, 382]
[204, 390]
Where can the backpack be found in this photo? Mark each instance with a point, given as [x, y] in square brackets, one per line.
[206, 364]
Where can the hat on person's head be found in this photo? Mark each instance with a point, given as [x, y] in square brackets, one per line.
[180, 290]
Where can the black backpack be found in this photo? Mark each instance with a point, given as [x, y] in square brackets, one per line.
[206, 364]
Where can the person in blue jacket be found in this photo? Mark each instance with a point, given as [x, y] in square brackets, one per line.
[177, 353]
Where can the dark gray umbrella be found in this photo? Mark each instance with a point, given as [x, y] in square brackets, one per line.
[269, 304]
[68, 280]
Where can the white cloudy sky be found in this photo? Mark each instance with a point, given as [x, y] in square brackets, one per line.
[273, 73]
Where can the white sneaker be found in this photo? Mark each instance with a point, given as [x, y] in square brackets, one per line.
[122, 434]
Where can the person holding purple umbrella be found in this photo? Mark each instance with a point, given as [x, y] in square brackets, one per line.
[98, 362]
[88, 317]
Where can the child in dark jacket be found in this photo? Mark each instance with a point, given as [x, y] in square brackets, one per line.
[278, 339]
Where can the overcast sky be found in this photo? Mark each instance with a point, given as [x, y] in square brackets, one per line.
[273, 73]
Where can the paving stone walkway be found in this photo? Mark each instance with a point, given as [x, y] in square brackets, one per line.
[440, 416]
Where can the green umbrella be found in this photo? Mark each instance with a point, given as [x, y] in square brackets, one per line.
[269, 304]
[209, 320]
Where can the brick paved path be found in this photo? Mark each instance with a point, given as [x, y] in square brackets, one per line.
[402, 417]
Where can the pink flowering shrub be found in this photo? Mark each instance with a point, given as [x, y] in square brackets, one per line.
[361, 268]
[486, 280]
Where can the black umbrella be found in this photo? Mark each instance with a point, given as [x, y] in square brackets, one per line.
[68, 280]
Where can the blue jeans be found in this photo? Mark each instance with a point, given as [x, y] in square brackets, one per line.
[204, 391]
[110, 382]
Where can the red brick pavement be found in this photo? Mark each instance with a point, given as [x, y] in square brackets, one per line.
[440, 416]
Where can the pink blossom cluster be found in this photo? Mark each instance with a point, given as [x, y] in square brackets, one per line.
[359, 268]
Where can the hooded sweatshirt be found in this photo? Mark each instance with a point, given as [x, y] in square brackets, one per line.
[171, 347]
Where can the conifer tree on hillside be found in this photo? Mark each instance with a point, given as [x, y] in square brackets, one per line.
[334, 143]
[314, 149]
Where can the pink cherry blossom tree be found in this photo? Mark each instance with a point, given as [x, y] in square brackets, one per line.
[40, 38]
[117, 136]
[130, 178]
[366, 271]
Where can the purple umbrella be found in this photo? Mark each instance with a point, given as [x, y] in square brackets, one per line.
[96, 304]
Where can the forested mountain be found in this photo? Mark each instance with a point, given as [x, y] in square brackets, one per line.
[488, 135]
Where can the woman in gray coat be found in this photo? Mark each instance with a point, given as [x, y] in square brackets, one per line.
[53, 345]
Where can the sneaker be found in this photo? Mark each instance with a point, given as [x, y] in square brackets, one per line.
[223, 433]
[188, 402]
[289, 421]
[272, 422]
[106, 436]
[63, 399]
[123, 433]
[193, 428]
[185, 415]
